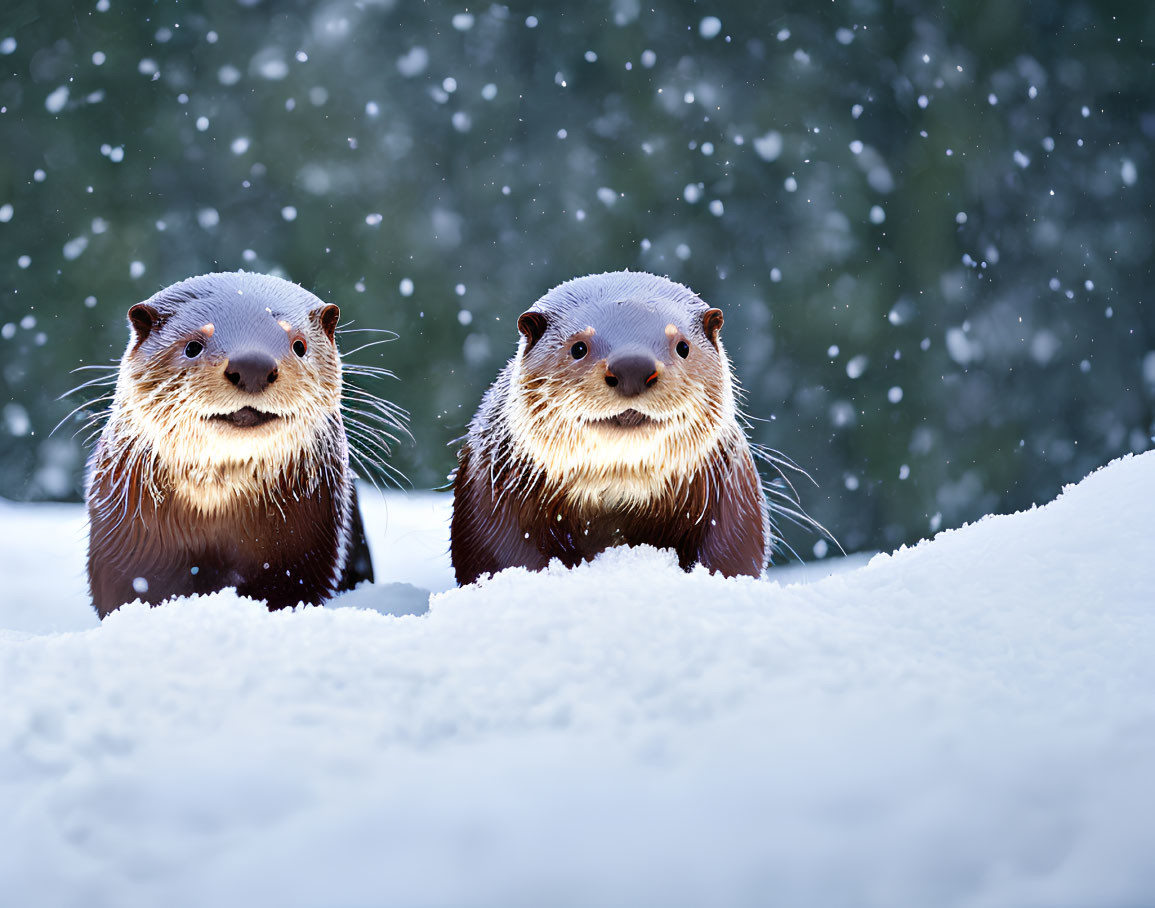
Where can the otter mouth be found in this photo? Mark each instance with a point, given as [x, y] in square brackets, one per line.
[627, 419]
[245, 418]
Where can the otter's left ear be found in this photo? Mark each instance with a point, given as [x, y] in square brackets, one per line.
[327, 318]
[712, 324]
[532, 325]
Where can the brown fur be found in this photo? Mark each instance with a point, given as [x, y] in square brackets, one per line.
[546, 473]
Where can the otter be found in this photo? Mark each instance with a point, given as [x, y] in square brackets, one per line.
[614, 424]
[224, 461]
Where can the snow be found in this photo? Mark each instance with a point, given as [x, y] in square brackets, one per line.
[57, 100]
[709, 27]
[769, 146]
[966, 722]
[413, 63]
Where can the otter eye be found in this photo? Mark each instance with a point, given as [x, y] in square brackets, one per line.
[579, 350]
[193, 349]
[299, 347]
[683, 349]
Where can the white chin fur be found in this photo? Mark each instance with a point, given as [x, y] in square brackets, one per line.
[604, 465]
[229, 444]
[210, 464]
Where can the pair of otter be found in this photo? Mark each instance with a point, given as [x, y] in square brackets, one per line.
[225, 458]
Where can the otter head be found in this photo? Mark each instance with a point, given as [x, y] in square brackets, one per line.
[230, 379]
[621, 387]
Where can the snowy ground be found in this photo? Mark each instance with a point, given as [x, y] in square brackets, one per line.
[969, 722]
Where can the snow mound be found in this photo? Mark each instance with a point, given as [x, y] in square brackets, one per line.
[967, 722]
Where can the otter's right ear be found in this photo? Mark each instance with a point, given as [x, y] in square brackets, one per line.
[532, 325]
[712, 324]
[144, 318]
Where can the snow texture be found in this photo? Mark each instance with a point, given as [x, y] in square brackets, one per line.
[967, 722]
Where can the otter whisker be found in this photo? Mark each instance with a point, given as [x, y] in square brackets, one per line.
[780, 464]
[75, 410]
[780, 543]
[111, 366]
[102, 381]
[804, 521]
[363, 471]
[369, 447]
[353, 387]
[366, 371]
[779, 460]
[398, 416]
[366, 346]
[385, 423]
[373, 469]
[367, 438]
[392, 411]
[374, 427]
[391, 335]
[378, 412]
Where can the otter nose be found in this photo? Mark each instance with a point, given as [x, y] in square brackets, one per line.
[631, 374]
[252, 371]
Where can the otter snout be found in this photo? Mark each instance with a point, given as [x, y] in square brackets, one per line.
[629, 374]
[252, 371]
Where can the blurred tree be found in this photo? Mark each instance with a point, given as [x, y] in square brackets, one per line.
[929, 225]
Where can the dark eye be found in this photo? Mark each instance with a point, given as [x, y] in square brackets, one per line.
[299, 347]
[579, 350]
[193, 349]
[683, 349]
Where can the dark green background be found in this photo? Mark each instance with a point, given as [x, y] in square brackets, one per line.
[1008, 295]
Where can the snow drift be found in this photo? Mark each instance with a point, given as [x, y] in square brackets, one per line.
[968, 722]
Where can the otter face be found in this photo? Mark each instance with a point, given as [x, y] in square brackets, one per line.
[621, 383]
[230, 372]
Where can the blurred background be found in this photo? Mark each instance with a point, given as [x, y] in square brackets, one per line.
[930, 226]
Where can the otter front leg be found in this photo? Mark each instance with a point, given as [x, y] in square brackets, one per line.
[114, 583]
[729, 546]
[130, 551]
[486, 535]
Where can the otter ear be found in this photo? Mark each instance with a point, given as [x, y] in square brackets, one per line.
[532, 325]
[712, 324]
[144, 318]
[327, 318]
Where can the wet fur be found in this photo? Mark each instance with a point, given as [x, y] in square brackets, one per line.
[542, 475]
[192, 505]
